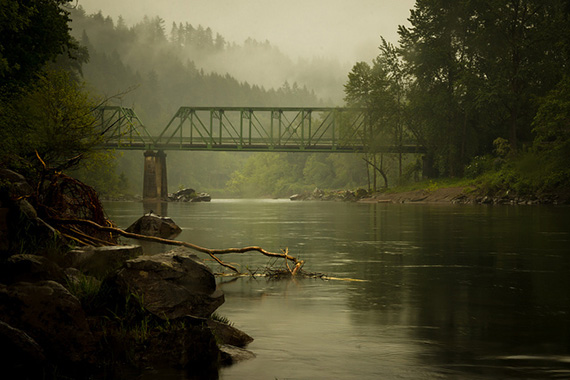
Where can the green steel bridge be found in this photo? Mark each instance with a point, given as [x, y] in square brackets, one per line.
[247, 129]
[257, 129]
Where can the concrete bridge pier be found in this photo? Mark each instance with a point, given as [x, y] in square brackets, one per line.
[155, 185]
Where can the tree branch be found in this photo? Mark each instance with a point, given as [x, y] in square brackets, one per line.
[210, 252]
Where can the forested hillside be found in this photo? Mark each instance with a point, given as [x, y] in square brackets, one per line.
[155, 68]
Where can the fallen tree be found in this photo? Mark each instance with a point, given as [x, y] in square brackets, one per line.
[74, 210]
[298, 264]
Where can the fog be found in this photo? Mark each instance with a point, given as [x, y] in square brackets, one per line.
[345, 30]
[272, 53]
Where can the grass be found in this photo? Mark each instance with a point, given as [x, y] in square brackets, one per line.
[85, 288]
[221, 319]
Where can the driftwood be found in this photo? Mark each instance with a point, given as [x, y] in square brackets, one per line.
[211, 252]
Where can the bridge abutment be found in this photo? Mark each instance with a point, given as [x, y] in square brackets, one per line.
[155, 183]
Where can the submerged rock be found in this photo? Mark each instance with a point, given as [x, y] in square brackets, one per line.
[170, 285]
[155, 225]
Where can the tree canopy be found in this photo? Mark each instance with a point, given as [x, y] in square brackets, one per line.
[32, 33]
[471, 72]
[44, 110]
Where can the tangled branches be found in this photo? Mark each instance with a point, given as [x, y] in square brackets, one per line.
[63, 197]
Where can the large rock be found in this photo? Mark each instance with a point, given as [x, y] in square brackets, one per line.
[30, 268]
[21, 354]
[193, 348]
[228, 334]
[155, 225]
[18, 184]
[189, 195]
[171, 285]
[52, 317]
[100, 261]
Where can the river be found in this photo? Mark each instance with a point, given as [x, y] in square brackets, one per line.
[447, 291]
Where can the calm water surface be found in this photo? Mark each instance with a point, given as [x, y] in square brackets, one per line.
[450, 292]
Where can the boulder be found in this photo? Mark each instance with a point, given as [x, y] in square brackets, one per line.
[155, 225]
[189, 195]
[18, 184]
[228, 334]
[21, 354]
[52, 317]
[192, 348]
[184, 193]
[298, 197]
[170, 285]
[30, 268]
[202, 197]
[100, 261]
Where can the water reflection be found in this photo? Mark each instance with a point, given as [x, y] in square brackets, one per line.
[451, 291]
[157, 207]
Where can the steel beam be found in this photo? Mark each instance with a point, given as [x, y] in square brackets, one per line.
[279, 129]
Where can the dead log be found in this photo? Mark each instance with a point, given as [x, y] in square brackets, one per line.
[211, 252]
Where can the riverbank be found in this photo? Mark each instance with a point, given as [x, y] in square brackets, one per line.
[466, 195]
[75, 303]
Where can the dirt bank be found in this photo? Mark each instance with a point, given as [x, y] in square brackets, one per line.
[467, 195]
[444, 195]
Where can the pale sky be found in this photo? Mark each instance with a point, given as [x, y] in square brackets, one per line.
[349, 30]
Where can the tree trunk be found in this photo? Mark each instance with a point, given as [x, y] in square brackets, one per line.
[379, 170]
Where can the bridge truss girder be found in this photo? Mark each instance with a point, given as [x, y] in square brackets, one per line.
[264, 129]
[122, 128]
[256, 129]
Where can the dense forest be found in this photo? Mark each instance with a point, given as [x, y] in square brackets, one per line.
[483, 85]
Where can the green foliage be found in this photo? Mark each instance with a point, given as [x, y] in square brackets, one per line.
[530, 173]
[468, 74]
[220, 318]
[85, 288]
[478, 166]
[101, 172]
[502, 147]
[32, 33]
[552, 121]
[284, 174]
[53, 118]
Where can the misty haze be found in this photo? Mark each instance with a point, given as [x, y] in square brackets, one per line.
[261, 189]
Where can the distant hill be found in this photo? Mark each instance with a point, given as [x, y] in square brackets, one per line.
[158, 70]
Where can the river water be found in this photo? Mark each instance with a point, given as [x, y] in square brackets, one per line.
[448, 291]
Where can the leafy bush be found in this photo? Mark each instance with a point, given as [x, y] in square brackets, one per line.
[478, 166]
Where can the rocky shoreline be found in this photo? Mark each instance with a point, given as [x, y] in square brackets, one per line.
[92, 311]
[452, 195]
[465, 195]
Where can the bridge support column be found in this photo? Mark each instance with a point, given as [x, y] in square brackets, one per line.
[155, 185]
